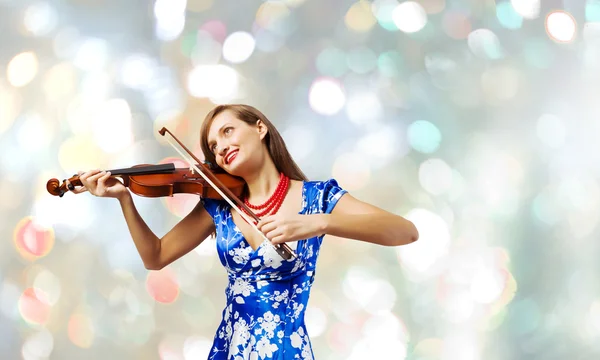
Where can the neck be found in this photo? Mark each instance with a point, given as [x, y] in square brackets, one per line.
[263, 182]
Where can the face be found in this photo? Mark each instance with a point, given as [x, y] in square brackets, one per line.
[237, 145]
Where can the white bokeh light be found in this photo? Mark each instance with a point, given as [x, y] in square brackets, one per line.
[364, 108]
[214, 82]
[529, 9]
[238, 47]
[111, 126]
[551, 130]
[435, 176]
[420, 258]
[22, 69]
[326, 96]
[561, 26]
[40, 18]
[409, 17]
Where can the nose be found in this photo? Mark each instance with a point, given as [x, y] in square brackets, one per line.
[222, 150]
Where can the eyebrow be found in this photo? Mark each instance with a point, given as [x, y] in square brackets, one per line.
[211, 143]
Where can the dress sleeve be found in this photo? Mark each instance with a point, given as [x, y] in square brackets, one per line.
[211, 206]
[330, 194]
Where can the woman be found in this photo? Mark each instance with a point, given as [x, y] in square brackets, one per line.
[266, 295]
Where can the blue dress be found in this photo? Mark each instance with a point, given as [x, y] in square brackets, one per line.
[267, 295]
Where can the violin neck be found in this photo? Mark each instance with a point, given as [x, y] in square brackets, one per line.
[145, 170]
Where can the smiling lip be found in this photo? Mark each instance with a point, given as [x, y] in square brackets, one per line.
[229, 158]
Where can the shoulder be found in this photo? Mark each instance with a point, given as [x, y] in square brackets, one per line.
[214, 206]
[323, 194]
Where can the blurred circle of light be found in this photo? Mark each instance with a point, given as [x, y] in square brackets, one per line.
[435, 176]
[80, 330]
[459, 345]
[456, 24]
[561, 26]
[196, 347]
[10, 106]
[326, 96]
[381, 146]
[137, 71]
[66, 43]
[551, 130]
[199, 5]
[331, 62]
[374, 295]
[487, 285]
[47, 285]
[207, 50]
[359, 17]
[545, 207]
[271, 13]
[216, 82]
[424, 136]
[33, 307]
[316, 321]
[162, 285]
[420, 258]
[433, 6]
[238, 47]
[268, 41]
[40, 18]
[507, 16]
[353, 170]
[458, 307]
[59, 82]
[529, 9]
[170, 18]
[383, 334]
[361, 60]
[382, 10]
[50, 210]
[38, 345]
[300, 141]
[409, 17]
[364, 108]
[500, 84]
[34, 134]
[217, 30]
[592, 11]
[92, 55]
[112, 126]
[22, 69]
[485, 44]
[32, 239]
[390, 63]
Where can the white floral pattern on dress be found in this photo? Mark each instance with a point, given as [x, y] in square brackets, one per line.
[267, 295]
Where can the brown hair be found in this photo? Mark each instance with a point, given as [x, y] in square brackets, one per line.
[275, 144]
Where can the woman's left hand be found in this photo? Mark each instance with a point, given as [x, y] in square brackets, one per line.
[280, 228]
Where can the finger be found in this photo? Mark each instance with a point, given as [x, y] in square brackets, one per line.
[102, 188]
[266, 220]
[87, 174]
[279, 239]
[268, 227]
[273, 234]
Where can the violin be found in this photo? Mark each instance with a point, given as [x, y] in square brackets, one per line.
[166, 180]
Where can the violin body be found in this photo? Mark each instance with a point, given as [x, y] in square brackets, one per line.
[181, 181]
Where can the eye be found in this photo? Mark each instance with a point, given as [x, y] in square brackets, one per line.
[213, 147]
[228, 130]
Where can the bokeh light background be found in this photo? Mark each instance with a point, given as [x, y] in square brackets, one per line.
[477, 120]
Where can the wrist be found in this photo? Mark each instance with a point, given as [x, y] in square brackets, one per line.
[124, 196]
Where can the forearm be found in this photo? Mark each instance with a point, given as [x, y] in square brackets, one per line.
[382, 229]
[146, 242]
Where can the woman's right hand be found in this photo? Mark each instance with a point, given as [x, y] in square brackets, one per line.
[100, 183]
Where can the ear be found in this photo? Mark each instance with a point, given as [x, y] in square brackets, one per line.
[262, 129]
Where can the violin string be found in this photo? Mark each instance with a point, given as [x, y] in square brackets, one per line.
[242, 214]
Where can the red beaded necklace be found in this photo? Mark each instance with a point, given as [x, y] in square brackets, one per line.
[272, 205]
